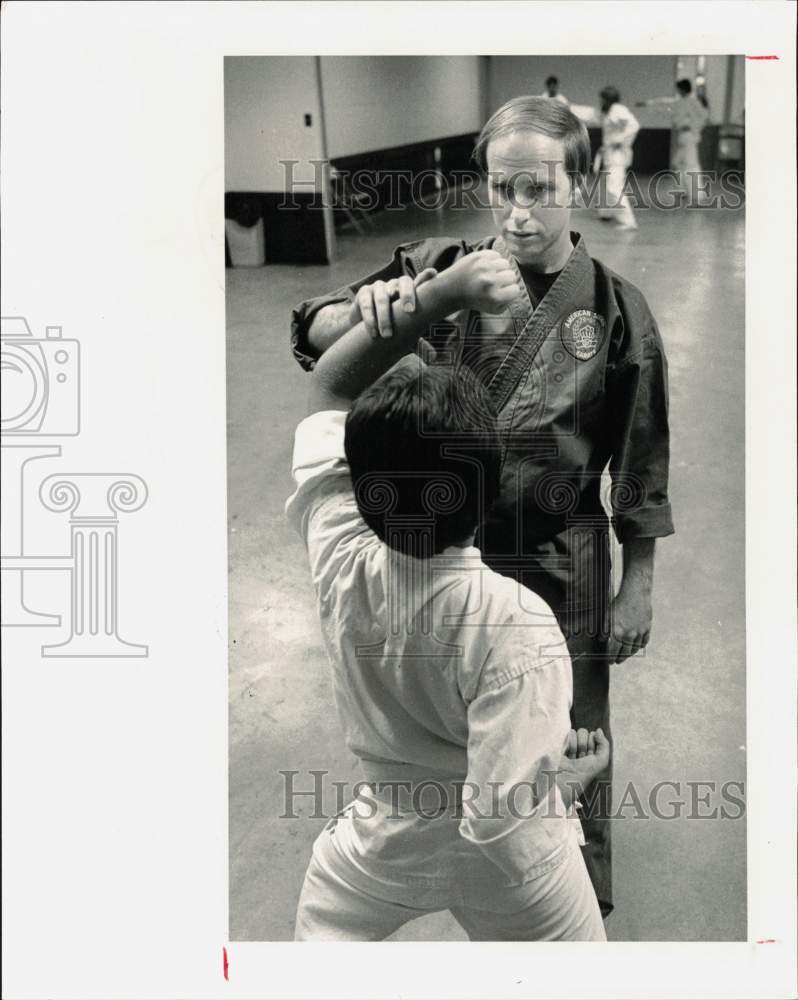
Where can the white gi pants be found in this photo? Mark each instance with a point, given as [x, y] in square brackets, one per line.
[616, 163]
[559, 905]
[685, 162]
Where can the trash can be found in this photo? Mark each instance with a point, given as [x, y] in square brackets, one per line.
[731, 147]
[246, 242]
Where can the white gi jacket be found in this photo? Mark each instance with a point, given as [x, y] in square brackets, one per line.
[480, 693]
[619, 129]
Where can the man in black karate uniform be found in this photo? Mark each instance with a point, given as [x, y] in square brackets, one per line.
[578, 375]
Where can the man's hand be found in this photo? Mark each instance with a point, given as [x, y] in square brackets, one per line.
[585, 755]
[630, 623]
[484, 281]
[373, 303]
[630, 612]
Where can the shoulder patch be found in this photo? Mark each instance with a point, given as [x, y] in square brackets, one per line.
[582, 334]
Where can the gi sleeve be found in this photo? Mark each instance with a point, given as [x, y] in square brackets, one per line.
[322, 507]
[585, 113]
[626, 124]
[699, 116]
[517, 728]
[637, 389]
[409, 258]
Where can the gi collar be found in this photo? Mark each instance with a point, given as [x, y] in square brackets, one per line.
[532, 325]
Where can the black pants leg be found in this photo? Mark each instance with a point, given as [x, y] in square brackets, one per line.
[571, 572]
[591, 710]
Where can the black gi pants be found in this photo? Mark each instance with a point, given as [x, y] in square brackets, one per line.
[571, 572]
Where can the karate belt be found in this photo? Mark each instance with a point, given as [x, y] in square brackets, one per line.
[411, 788]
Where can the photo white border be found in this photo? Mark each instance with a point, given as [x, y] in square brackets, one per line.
[115, 772]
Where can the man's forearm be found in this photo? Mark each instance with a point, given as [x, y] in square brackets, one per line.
[356, 359]
[328, 325]
[585, 113]
[638, 564]
[570, 786]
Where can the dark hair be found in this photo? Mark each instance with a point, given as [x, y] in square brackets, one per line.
[610, 94]
[423, 449]
[551, 79]
[542, 115]
[684, 86]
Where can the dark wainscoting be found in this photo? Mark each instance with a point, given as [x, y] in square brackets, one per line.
[391, 178]
[652, 149]
[293, 224]
[386, 179]
[710, 151]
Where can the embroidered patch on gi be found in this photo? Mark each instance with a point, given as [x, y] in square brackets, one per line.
[582, 334]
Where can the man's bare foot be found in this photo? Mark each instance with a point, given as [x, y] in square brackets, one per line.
[586, 755]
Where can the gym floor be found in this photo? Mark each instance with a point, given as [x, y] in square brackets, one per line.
[678, 712]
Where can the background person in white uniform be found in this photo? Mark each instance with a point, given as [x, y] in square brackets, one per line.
[619, 129]
[689, 117]
[553, 91]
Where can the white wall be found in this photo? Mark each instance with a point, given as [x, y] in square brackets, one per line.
[265, 101]
[716, 72]
[738, 92]
[582, 77]
[374, 102]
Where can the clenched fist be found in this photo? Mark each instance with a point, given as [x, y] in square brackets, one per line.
[485, 281]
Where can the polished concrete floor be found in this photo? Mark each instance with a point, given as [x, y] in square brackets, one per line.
[679, 713]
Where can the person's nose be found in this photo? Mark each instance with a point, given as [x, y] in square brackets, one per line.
[520, 214]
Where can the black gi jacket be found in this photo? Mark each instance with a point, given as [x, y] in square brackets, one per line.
[580, 382]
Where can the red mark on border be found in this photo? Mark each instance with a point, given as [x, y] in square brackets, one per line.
[767, 941]
[761, 57]
[226, 964]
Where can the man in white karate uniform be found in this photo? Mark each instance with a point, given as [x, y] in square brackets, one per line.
[619, 129]
[552, 91]
[689, 117]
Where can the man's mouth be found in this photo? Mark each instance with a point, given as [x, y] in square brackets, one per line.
[516, 235]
